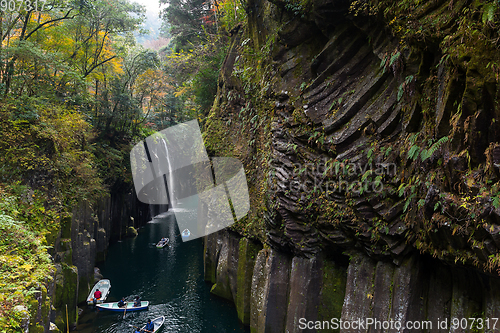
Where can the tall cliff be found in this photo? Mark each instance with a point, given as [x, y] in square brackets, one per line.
[369, 131]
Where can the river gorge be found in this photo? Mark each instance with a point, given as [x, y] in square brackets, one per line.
[369, 134]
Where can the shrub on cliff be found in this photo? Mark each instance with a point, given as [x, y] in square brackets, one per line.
[47, 146]
[25, 266]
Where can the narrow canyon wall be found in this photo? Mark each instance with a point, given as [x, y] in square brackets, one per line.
[276, 291]
[370, 136]
[367, 125]
[83, 241]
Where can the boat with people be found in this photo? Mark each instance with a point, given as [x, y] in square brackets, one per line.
[129, 306]
[157, 322]
[163, 242]
[103, 286]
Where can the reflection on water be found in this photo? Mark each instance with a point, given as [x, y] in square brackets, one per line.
[171, 279]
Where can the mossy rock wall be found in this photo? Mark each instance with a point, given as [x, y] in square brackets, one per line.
[66, 291]
[368, 128]
[373, 123]
[222, 286]
[82, 242]
[40, 305]
[278, 291]
[248, 251]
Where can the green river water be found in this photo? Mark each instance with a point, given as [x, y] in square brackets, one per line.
[171, 279]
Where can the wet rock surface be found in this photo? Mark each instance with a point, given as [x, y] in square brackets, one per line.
[370, 136]
[288, 293]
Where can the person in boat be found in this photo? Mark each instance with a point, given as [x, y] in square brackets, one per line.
[137, 301]
[150, 326]
[97, 295]
[121, 303]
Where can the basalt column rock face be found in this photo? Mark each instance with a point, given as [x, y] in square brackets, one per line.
[359, 130]
[83, 241]
[287, 293]
[84, 247]
[92, 227]
[274, 289]
[370, 136]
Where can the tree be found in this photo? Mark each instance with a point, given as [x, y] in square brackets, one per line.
[61, 43]
[190, 21]
[95, 27]
[18, 28]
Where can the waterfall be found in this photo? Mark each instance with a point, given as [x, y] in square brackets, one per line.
[170, 181]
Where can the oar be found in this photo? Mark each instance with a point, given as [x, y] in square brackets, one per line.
[145, 330]
[124, 312]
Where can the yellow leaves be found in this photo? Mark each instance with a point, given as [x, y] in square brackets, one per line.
[181, 91]
[153, 82]
[27, 267]
[152, 85]
[41, 17]
[456, 228]
[116, 65]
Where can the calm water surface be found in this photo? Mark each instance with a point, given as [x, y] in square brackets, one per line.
[171, 279]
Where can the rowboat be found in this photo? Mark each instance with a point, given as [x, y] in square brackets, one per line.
[162, 243]
[130, 306]
[158, 322]
[104, 286]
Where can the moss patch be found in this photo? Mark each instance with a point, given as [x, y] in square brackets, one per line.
[332, 291]
[66, 291]
[248, 251]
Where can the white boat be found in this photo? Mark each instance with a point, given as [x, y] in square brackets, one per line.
[157, 322]
[163, 242]
[104, 286]
[185, 233]
[129, 305]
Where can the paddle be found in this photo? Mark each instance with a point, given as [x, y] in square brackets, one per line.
[145, 330]
[124, 312]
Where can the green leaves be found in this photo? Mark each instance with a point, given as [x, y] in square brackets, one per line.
[24, 262]
[404, 86]
[489, 10]
[496, 201]
[424, 154]
[413, 152]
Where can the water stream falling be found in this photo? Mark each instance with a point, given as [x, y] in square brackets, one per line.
[170, 182]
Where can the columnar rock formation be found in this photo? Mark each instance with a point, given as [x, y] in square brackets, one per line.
[370, 135]
[275, 291]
